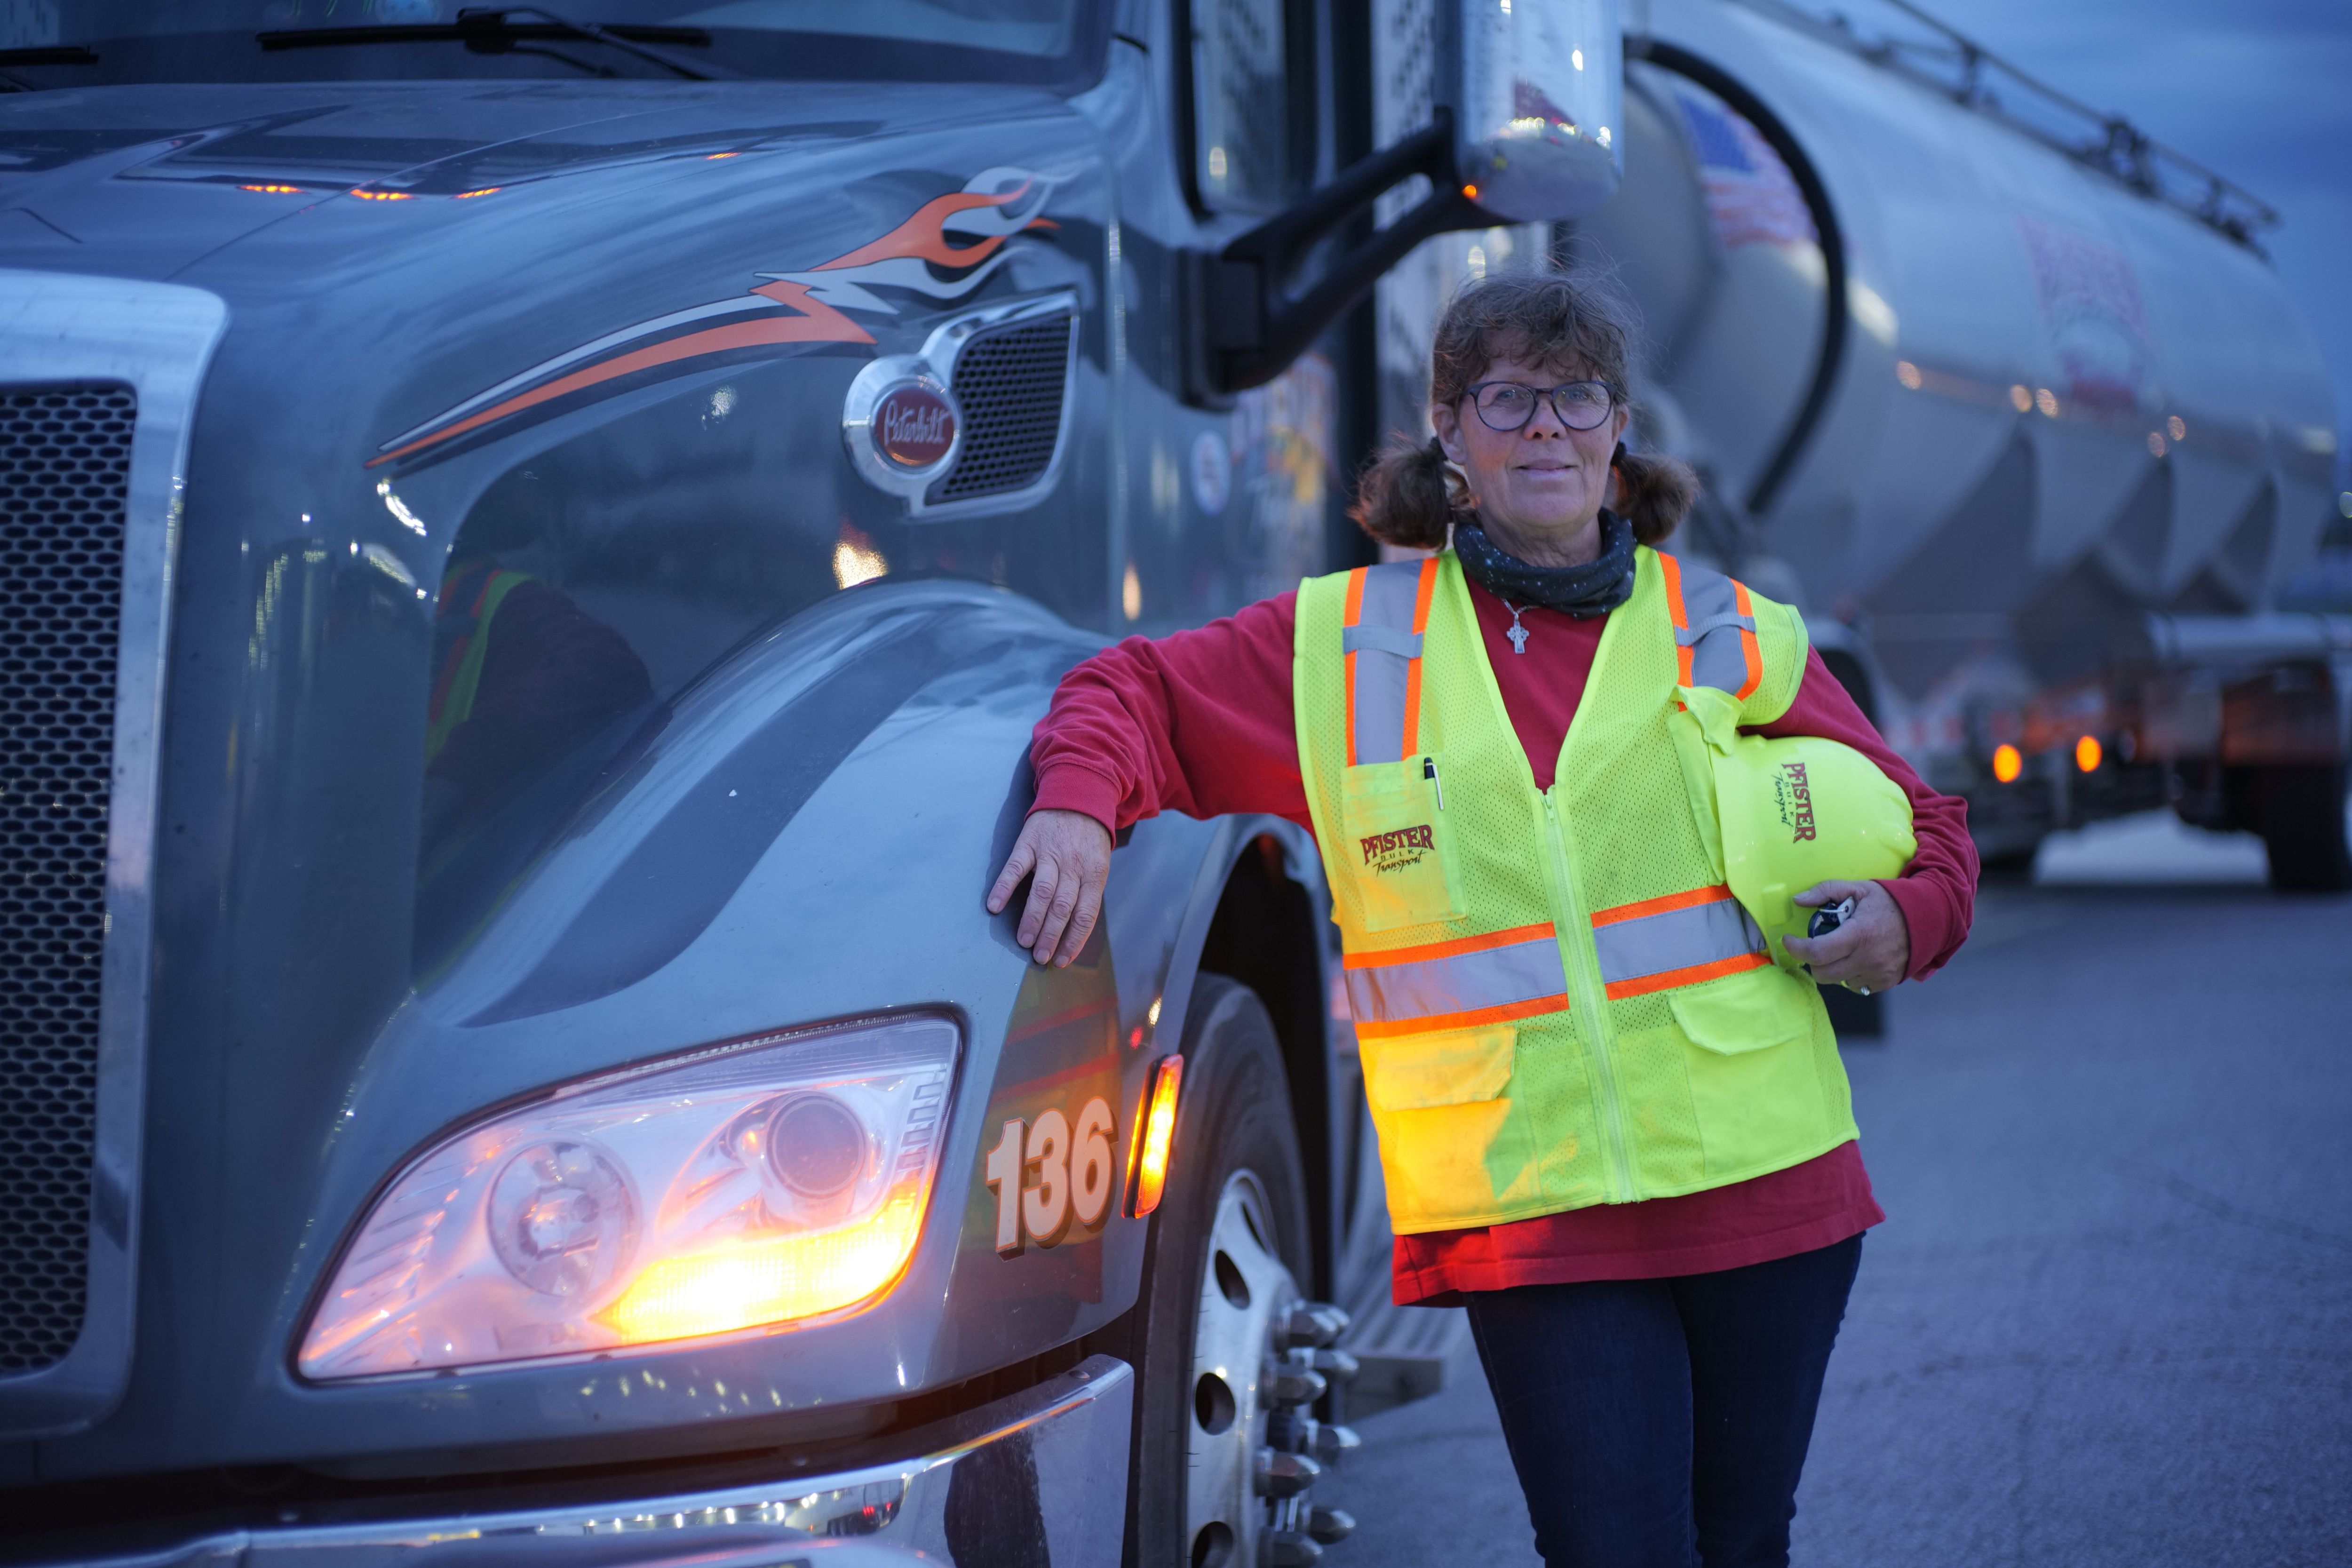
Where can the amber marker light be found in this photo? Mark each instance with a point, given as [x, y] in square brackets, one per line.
[1470, 191]
[2007, 762]
[1151, 1150]
[274, 190]
[2087, 754]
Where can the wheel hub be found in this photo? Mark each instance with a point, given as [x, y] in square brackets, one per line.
[1261, 1358]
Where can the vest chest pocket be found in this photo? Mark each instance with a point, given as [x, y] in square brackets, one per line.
[1399, 849]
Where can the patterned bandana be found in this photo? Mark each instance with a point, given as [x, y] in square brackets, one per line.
[1584, 592]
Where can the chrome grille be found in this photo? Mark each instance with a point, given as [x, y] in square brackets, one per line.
[1011, 383]
[64, 471]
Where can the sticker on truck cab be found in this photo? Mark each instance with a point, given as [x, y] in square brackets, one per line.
[1052, 1174]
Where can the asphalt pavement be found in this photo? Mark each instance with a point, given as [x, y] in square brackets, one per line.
[2109, 1318]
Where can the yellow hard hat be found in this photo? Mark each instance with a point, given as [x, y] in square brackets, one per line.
[1789, 813]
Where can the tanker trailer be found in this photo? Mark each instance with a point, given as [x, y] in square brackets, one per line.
[2007, 398]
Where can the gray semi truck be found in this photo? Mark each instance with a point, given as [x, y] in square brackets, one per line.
[533, 544]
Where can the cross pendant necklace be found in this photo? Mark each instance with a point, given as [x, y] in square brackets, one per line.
[1517, 634]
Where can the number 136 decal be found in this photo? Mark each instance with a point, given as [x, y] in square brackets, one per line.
[1048, 1173]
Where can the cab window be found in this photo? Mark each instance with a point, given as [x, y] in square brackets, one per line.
[1253, 141]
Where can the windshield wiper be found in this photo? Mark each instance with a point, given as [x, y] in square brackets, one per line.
[489, 31]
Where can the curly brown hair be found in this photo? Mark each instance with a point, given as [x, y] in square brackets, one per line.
[1410, 494]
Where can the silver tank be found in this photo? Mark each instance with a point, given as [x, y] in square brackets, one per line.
[2058, 403]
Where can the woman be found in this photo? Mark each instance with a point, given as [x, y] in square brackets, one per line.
[1609, 1125]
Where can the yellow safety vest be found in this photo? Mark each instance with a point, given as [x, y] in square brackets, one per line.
[1556, 999]
[464, 636]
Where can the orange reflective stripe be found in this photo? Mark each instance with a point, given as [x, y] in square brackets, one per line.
[1659, 906]
[1426, 591]
[1643, 985]
[1671, 570]
[1427, 588]
[1748, 646]
[1412, 707]
[1504, 1013]
[1355, 607]
[1451, 947]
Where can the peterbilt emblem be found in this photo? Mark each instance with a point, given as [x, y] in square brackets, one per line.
[915, 425]
[901, 425]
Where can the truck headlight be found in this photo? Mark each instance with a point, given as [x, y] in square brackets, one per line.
[756, 1185]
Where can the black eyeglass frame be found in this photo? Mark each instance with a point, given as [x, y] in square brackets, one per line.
[1542, 395]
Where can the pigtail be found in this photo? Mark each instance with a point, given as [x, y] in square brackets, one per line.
[1408, 495]
[1654, 492]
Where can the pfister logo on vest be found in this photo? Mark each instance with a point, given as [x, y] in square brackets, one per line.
[1395, 851]
[915, 426]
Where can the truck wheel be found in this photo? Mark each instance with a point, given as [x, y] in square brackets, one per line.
[2299, 811]
[1228, 1355]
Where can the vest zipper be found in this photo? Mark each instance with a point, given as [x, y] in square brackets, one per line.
[1584, 990]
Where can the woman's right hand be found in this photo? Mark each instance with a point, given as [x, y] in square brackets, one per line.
[1070, 853]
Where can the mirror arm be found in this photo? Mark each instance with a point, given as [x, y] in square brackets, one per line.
[1247, 326]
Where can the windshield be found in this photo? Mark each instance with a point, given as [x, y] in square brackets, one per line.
[84, 43]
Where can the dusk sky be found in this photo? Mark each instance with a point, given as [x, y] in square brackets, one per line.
[2259, 91]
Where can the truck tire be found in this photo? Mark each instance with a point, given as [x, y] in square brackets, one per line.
[2299, 811]
[1219, 1299]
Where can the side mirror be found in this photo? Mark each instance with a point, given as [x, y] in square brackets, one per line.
[1524, 129]
[1535, 90]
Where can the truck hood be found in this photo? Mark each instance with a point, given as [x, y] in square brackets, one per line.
[146, 181]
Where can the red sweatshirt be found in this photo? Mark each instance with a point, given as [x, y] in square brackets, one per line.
[1201, 722]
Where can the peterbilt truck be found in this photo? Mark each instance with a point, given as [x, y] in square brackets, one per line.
[534, 543]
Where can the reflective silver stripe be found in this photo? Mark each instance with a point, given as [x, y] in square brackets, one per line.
[1691, 635]
[1459, 982]
[1676, 939]
[1390, 591]
[1386, 639]
[1711, 608]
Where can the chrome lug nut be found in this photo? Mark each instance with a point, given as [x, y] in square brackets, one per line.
[1331, 1525]
[1336, 1365]
[1287, 1549]
[1310, 1325]
[1284, 1475]
[1333, 1442]
[1282, 1383]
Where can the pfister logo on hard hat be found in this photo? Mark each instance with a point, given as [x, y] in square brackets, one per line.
[915, 425]
[1793, 797]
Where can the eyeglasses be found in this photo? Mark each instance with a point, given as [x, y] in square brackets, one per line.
[1507, 405]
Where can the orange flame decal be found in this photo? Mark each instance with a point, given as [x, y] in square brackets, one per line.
[986, 217]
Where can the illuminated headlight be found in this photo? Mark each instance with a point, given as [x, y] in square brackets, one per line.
[762, 1183]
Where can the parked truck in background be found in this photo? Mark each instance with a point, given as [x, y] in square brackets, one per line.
[533, 544]
[2007, 397]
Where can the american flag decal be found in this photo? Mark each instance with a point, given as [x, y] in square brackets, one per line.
[1751, 197]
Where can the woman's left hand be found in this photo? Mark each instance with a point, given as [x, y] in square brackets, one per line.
[1870, 952]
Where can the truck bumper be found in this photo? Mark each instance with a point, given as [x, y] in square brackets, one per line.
[1038, 1477]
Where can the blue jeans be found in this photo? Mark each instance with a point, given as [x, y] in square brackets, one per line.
[1664, 1423]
